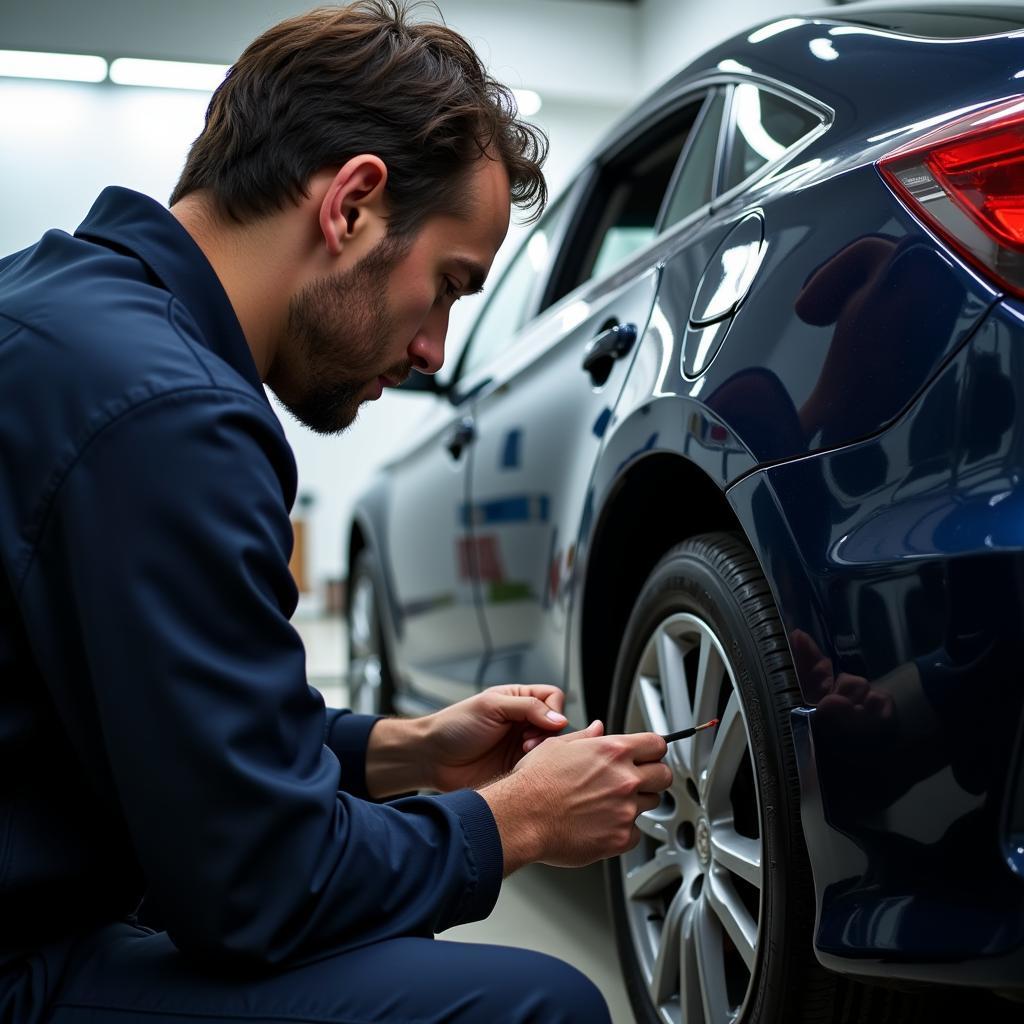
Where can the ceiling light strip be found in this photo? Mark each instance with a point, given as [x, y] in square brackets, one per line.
[62, 67]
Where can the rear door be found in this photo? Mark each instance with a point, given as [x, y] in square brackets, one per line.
[540, 418]
[440, 641]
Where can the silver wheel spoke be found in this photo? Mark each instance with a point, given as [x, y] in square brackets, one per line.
[653, 825]
[690, 1001]
[710, 671]
[739, 854]
[665, 977]
[648, 698]
[723, 762]
[734, 916]
[673, 680]
[650, 878]
[711, 965]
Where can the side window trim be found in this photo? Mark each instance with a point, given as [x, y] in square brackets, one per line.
[824, 114]
[725, 136]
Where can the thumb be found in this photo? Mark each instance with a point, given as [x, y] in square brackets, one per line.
[596, 728]
[532, 710]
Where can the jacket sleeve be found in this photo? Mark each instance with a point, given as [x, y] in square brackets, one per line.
[160, 590]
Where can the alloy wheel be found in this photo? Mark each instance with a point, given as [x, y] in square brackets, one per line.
[693, 885]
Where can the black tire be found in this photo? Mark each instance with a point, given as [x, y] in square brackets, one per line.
[711, 586]
[370, 681]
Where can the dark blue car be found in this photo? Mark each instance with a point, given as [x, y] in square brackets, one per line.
[736, 436]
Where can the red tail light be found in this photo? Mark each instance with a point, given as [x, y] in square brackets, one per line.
[967, 181]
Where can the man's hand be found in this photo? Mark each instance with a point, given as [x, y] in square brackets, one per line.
[463, 746]
[574, 799]
[473, 742]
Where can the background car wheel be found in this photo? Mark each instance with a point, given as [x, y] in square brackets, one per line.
[714, 908]
[369, 674]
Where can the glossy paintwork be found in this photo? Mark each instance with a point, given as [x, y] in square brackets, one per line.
[859, 410]
[900, 561]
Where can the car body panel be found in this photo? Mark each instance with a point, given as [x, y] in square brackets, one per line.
[903, 559]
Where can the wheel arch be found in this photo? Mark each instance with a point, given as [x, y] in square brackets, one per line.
[641, 509]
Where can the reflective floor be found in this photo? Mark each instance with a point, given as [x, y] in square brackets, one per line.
[552, 910]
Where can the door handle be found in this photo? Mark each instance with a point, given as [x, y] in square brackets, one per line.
[463, 434]
[608, 346]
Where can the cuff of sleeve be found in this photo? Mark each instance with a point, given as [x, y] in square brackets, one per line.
[486, 859]
[348, 735]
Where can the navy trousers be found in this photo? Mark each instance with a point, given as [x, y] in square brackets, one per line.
[123, 974]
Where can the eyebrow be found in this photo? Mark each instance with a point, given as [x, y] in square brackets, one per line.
[475, 273]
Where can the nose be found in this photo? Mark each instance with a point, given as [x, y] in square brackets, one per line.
[426, 350]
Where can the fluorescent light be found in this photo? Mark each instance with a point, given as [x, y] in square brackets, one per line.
[528, 101]
[761, 34]
[66, 67]
[167, 74]
[823, 49]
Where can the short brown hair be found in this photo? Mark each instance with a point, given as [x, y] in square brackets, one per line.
[318, 89]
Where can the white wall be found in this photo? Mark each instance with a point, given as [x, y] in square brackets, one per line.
[673, 32]
[60, 144]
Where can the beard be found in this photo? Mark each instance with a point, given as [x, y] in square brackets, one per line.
[337, 326]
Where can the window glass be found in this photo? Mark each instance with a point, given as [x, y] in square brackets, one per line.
[621, 213]
[506, 311]
[764, 127]
[695, 181]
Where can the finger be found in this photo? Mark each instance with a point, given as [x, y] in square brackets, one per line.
[654, 777]
[529, 709]
[647, 801]
[551, 695]
[596, 728]
[853, 688]
[645, 746]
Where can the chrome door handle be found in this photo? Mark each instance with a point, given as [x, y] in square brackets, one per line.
[463, 434]
[608, 346]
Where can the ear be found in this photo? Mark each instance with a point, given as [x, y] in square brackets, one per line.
[353, 199]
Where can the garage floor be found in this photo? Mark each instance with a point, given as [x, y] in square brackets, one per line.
[553, 910]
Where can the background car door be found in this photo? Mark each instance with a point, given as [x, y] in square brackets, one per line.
[441, 643]
[539, 422]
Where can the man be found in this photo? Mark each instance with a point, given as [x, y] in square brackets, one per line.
[157, 736]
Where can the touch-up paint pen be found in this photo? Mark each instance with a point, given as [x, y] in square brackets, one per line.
[686, 733]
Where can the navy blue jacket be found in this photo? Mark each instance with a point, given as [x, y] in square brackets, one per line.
[157, 733]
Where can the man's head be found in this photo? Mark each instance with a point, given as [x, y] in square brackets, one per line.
[393, 156]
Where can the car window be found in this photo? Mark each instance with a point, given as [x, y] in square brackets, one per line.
[764, 126]
[695, 179]
[508, 305]
[621, 211]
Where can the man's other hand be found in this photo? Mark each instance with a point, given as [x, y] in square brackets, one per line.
[462, 746]
[484, 736]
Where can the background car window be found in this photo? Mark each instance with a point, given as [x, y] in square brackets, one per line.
[509, 305]
[695, 180]
[620, 215]
[764, 127]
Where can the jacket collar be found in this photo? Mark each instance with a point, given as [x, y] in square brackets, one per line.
[143, 228]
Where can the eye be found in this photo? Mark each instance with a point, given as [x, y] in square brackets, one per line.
[452, 289]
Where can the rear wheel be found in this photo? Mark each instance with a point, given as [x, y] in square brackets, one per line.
[369, 675]
[714, 908]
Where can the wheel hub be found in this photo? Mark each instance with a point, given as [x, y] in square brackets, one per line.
[704, 842]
